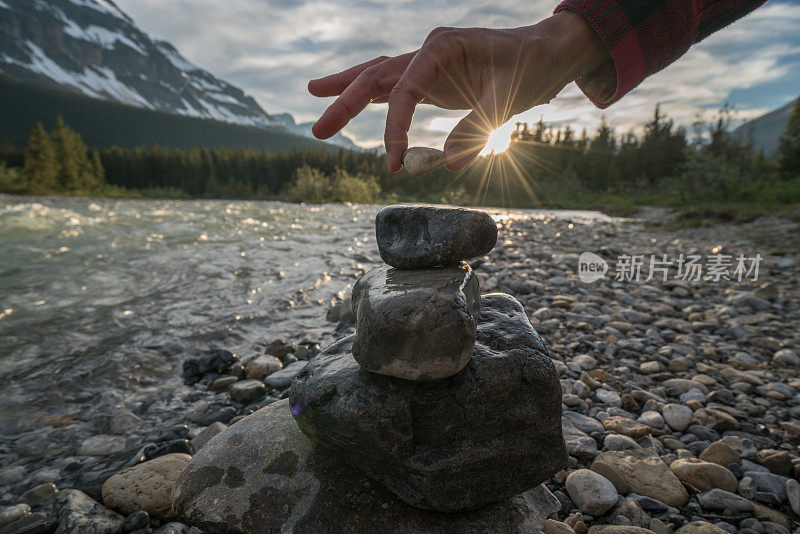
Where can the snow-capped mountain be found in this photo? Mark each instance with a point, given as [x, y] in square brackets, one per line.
[93, 47]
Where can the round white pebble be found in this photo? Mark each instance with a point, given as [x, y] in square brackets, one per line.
[421, 160]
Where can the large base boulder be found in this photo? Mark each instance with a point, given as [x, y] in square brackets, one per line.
[416, 324]
[485, 434]
[262, 475]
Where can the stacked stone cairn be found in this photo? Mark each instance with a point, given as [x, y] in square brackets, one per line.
[444, 397]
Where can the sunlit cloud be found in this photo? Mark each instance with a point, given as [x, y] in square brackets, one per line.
[272, 48]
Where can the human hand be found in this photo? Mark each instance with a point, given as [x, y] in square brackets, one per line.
[494, 73]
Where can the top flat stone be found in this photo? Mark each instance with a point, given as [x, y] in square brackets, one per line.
[414, 237]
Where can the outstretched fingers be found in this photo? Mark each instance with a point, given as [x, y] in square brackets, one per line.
[334, 84]
[371, 85]
[410, 90]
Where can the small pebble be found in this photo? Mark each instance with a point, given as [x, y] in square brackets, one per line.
[422, 160]
[135, 521]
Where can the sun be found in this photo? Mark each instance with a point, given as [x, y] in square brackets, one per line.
[498, 140]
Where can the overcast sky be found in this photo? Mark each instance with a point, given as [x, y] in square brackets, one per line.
[271, 48]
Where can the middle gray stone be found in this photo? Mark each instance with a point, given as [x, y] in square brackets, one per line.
[416, 324]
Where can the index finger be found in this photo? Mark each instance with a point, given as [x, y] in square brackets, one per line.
[334, 84]
[410, 90]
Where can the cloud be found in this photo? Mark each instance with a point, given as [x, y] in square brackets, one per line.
[272, 48]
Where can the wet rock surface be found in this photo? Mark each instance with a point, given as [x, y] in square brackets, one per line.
[215, 360]
[34, 523]
[136, 521]
[9, 514]
[592, 493]
[90, 478]
[146, 486]
[261, 475]
[416, 324]
[472, 431]
[703, 476]
[78, 513]
[281, 379]
[247, 391]
[413, 237]
[641, 472]
[262, 366]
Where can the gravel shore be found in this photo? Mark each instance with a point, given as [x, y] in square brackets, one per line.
[680, 398]
[684, 394]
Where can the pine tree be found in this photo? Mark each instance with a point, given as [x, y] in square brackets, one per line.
[600, 157]
[40, 169]
[790, 144]
[97, 171]
[69, 168]
[540, 131]
[76, 172]
[604, 141]
[663, 148]
[568, 138]
[10, 181]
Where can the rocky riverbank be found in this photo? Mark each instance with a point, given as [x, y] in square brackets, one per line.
[680, 403]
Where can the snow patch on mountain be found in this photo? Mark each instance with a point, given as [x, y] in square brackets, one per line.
[102, 5]
[174, 57]
[102, 36]
[97, 82]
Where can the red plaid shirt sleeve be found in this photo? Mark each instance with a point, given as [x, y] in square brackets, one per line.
[644, 36]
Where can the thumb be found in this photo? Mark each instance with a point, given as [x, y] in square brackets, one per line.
[466, 140]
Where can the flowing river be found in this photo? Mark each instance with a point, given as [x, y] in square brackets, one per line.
[100, 301]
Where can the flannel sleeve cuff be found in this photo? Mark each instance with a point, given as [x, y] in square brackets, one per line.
[613, 80]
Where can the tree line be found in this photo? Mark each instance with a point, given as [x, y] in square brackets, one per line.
[230, 173]
[661, 164]
[54, 163]
[664, 164]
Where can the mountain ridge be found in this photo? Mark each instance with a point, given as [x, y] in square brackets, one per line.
[107, 123]
[94, 48]
[765, 131]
